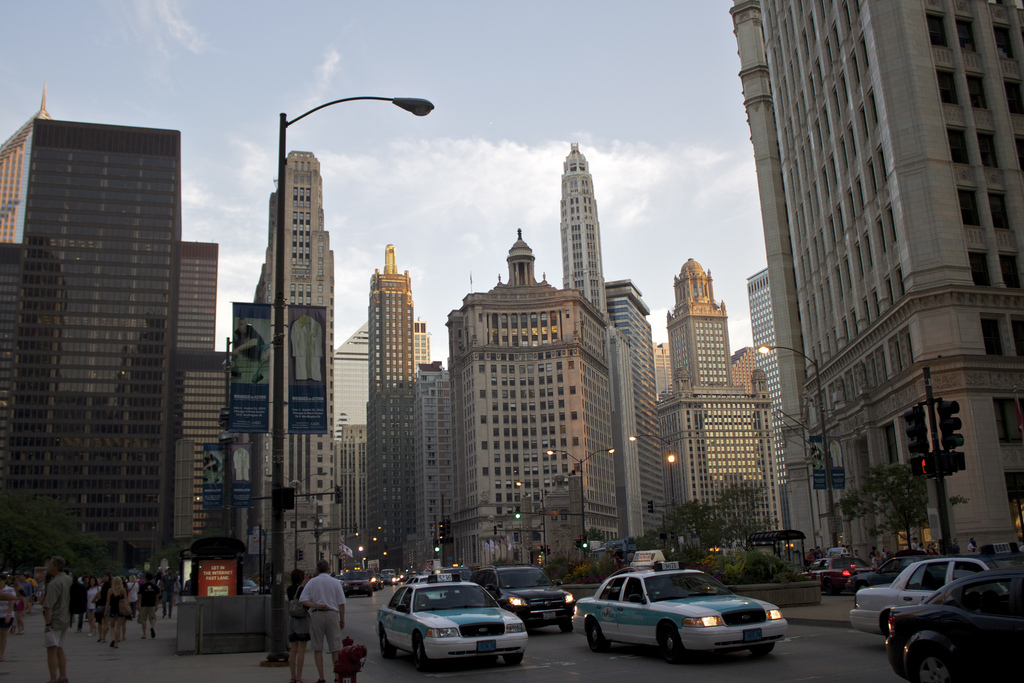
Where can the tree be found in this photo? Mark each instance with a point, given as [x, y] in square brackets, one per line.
[893, 497]
[742, 509]
[696, 517]
[34, 528]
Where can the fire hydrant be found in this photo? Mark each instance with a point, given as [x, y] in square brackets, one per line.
[349, 661]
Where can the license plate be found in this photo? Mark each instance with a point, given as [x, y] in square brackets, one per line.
[751, 635]
[550, 616]
[486, 646]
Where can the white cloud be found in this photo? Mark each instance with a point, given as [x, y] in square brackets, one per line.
[169, 13]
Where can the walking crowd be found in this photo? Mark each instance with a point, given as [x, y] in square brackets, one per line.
[106, 604]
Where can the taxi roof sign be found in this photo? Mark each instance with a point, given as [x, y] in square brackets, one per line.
[647, 558]
[440, 578]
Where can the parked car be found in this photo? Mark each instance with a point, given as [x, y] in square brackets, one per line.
[971, 629]
[679, 611]
[440, 619]
[250, 587]
[529, 593]
[884, 575]
[356, 581]
[834, 572]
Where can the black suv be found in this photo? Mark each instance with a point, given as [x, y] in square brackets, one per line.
[529, 593]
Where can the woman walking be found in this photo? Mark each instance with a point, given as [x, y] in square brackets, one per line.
[298, 628]
[92, 593]
[114, 613]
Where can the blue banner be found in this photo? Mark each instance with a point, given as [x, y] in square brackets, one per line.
[213, 476]
[307, 370]
[250, 369]
[241, 479]
[818, 465]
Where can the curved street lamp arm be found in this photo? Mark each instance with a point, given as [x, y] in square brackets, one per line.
[415, 105]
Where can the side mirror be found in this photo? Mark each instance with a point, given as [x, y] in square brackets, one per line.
[558, 582]
[636, 598]
[402, 608]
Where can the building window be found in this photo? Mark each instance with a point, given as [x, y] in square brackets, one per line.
[1003, 47]
[987, 147]
[968, 207]
[1017, 327]
[976, 92]
[1013, 98]
[947, 88]
[990, 335]
[936, 30]
[1020, 152]
[997, 206]
[965, 34]
[957, 146]
[1006, 420]
[1011, 276]
[891, 447]
[979, 268]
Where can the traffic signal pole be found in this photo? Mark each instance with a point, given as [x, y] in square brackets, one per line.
[940, 477]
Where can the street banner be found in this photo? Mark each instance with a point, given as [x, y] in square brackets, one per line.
[241, 477]
[307, 370]
[836, 456]
[213, 476]
[250, 369]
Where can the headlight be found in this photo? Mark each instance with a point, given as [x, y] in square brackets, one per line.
[569, 598]
[442, 633]
[703, 622]
[517, 602]
[774, 614]
[514, 627]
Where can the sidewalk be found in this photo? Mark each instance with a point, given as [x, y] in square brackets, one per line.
[834, 611]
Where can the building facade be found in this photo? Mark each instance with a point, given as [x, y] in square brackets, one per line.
[530, 400]
[421, 343]
[351, 379]
[390, 447]
[580, 230]
[662, 369]
[886, 139]
[432, 426]
[15, 155]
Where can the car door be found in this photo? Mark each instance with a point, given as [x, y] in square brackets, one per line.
[993, 633]
[606, 607]
[631, 617]
[925, 580]
[398, 622]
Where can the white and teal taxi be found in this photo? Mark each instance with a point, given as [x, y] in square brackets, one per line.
[679, 611]
[444, 618]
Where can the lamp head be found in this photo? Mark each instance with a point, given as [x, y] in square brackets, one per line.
[414, 105]
[764, 348]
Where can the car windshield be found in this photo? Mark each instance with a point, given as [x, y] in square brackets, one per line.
[527, 577]
[678, 586]
[355, 576]
[439, 597]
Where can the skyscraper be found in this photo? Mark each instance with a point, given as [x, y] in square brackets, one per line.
[698, 330]
[581, 232]
[432, 426]
[529, 375]
[197, 305]
[390, 448]
[92, 371]
[885, 138]
[14, 173]
[351, 379]
[421, 343]
[662, 369]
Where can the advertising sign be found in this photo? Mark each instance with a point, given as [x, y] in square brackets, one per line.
[213, 476]
[835, 448]
[250, 369]
[241, 479]
[217, 577]
[307, 370]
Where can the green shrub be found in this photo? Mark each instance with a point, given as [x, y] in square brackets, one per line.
[754, 566]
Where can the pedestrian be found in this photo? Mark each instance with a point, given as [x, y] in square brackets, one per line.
[972, 547]
[28, 584]
[103, 624]
[325, 600]
[79, 602]
[7, 598]
[149, 595]
[168, 588]
[57, 618]
[955, 547]
[298, 628]
[92, 593]
[133, 594]
[115, 614]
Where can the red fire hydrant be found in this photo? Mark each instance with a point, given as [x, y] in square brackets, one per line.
[349, 661]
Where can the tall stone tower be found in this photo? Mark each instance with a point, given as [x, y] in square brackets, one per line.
[581, 232]
[698, 330]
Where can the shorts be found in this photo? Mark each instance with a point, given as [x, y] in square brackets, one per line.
[6, 622]
[147, 612]
[323, 625]
[53, 638]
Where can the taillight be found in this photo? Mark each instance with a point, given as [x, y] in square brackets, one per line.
[846, 572]
[892, 623]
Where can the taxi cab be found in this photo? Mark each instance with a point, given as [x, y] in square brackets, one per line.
[677, 610]
[445, 618]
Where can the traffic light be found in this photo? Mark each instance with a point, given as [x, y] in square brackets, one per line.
[224, 418]
[949, 425]
[442, 531]
[923, 466]
[437, 546]
[547, 550]
[917, 429]
[951, 462]
[650, 506]
[579, 541]
[518, 513]
[584, 544]
[337, 495]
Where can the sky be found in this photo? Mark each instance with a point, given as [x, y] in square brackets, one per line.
[648, 89]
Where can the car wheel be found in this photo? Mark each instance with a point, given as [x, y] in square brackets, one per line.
[419, 653]
[513, 659]
[387, 650]
[762, 650]
[827, 587]
[931, 666]
[565, 626]
[596, 639]
[671, 644]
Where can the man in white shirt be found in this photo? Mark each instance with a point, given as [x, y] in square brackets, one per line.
[325, 600]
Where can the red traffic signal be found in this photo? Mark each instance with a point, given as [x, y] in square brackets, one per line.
[923, 466]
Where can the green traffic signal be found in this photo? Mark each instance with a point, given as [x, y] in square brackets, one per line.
[518, 513]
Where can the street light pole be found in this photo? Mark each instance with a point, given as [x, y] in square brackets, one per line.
[278, 614]
[826, 451]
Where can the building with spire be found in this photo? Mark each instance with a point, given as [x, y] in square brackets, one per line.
[580, 230]
[390, 442]
[529, 375]
[14, 173]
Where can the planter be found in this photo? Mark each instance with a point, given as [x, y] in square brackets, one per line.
[581, 590]
[782, 594]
